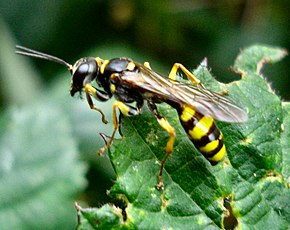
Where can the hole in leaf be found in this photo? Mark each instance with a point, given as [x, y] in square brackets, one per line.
[121, 202]
[230, 221]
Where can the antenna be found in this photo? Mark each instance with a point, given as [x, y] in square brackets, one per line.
[36, 54]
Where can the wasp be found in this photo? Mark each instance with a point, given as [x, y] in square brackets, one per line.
[130, 82]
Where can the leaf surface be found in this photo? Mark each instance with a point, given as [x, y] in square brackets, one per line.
[253, 179]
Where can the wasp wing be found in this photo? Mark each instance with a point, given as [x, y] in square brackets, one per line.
[199, 98]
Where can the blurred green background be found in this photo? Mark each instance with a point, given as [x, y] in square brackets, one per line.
[161, 32]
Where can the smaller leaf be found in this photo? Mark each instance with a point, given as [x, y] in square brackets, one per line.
[252, 58]
[106, 217]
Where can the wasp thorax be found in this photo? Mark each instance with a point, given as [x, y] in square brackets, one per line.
[84, 71]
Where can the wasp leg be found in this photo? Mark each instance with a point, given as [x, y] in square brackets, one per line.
[139, 105]
[99, 95]
[126, 110]
[169, 146]
[190, 75]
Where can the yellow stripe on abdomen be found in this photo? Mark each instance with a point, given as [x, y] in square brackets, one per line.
[209, 146]
[219, 155]
[203, 133]
[201, 128]
[187, 114]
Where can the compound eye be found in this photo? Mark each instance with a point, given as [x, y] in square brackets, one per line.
[85, 71]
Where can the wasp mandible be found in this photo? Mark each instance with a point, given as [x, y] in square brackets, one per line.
[131, 82]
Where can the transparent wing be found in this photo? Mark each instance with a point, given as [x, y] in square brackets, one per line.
[199, 98]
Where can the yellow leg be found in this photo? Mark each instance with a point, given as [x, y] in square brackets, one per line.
[116, 124]
[169, 147]
[124, 109]
[190, 75]
[90, 89]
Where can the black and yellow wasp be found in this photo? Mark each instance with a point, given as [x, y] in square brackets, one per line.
[130, 82]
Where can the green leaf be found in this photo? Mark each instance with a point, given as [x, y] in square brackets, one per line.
[285, 137]
[108, 217]
[252, 179]
[39, 172]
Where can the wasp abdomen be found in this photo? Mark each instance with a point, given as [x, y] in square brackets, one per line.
[203, 133]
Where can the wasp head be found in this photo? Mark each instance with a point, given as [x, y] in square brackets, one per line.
[84, 71]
